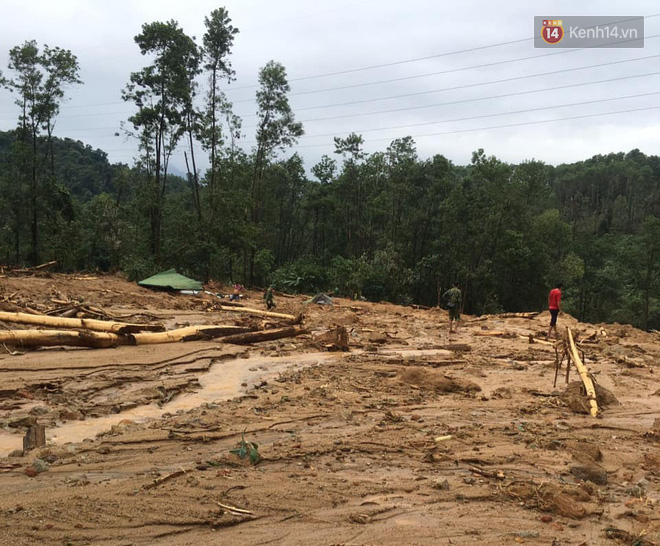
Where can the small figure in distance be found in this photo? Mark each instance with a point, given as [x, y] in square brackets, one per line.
[236, 294]
[554, 304]
[453, 298]
[269, 297]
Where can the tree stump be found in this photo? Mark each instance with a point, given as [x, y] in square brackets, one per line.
[34, 437]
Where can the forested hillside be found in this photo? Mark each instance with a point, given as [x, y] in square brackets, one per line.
[388, 225]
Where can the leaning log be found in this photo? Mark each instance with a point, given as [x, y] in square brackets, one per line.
[93, 325]
[264, 335]
[584, 374]
[257, 312]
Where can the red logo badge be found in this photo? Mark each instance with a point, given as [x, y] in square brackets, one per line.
[552, 31]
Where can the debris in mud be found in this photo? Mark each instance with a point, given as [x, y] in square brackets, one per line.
[652, 462]
[624, 537]
[584, 451]
[550, 498]
[591, 473]
[575, 397]
[335, 339]
[427, 379]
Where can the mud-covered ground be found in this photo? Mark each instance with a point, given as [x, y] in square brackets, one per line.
[411, 437]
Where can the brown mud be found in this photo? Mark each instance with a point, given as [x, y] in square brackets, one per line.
[411, 437]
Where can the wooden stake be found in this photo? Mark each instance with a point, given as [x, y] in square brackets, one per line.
[584, 374]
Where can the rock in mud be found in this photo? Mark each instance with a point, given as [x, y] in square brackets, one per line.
[576, 398]
[69, 414]
[40, 465]
[434, 381]
[25, 421]
[554, 500]
[441, 484]
[652, 462]
[16, 453]
[592, 473]
[502, 392]
[584, 451]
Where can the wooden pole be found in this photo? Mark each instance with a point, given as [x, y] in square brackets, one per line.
[84, 324]
[584, 374]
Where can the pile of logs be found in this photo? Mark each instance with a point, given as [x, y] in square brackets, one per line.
[82, 332]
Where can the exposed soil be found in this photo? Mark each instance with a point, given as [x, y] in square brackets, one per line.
[413, 436]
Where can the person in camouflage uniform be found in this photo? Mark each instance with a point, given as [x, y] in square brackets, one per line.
[269, 297]
[453, 299]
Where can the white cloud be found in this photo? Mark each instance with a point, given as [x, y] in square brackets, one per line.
[313, 38]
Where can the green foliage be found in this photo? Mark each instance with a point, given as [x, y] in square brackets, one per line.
[386, 225]
[247, 449]
[303, 275]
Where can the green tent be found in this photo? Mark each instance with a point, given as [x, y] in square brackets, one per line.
[171, 279]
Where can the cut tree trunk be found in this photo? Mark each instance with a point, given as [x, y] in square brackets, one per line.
[264, 335]
[83, 324]
[584, 374]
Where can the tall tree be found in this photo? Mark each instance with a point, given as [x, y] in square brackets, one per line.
[276, 125]
[276, 129]
[217, 43]
[39, 81]
[163, 93]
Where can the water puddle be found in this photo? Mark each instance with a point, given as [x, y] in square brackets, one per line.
[224, 380]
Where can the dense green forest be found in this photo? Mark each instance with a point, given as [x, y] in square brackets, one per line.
[387, 225]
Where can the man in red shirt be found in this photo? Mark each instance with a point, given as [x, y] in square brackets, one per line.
[554, 301]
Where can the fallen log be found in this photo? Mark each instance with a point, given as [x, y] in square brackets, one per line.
[584, 374]
[264, 335]
[257, 312]
[189, 333]
[531, 339]
[28, 270]
[54, 338]
[93, 325]
[96, 340]
[525, 315]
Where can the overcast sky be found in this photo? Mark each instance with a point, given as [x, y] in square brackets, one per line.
[316, 38]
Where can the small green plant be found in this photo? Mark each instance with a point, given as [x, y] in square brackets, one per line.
[246, 449]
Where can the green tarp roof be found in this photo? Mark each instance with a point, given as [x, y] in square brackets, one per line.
[171, 279]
